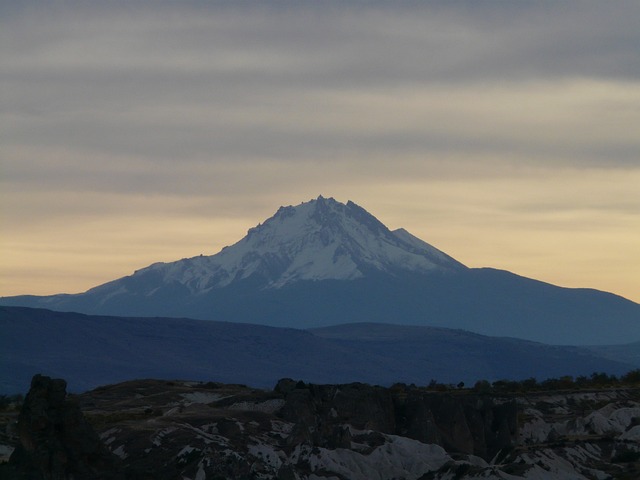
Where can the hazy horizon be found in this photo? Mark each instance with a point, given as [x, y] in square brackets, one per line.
[504, 134]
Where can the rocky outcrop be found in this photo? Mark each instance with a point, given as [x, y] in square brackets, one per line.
[462, 423]
[469, 423]
[56, 442]
[320, 411]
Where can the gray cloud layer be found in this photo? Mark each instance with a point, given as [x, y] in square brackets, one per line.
[211, 82]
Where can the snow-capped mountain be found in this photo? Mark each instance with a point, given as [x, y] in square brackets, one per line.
[317, 240]
[325, 263]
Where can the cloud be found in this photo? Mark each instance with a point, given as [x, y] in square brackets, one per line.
[332, 43]
[258, 84]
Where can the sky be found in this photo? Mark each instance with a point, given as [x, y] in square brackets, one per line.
[506, 134]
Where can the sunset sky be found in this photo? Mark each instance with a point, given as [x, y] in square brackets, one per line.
[506, 134]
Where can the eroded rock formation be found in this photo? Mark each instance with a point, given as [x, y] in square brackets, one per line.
[56, 442]
[469, 423]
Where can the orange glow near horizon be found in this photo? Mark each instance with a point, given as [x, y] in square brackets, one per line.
[571, 248]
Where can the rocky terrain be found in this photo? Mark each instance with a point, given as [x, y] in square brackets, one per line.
[152, 429]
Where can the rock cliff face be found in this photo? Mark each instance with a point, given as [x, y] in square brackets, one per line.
[474, 424]
[56, 442]
[471, 424]
[210, 431]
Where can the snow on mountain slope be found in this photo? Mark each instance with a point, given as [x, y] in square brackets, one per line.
[316, 240]
[324, 263]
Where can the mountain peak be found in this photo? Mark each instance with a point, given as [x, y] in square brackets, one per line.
[324, 262]
[320, 239]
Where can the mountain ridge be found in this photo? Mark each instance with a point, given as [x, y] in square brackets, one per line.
[323, 262]
[91, 350]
